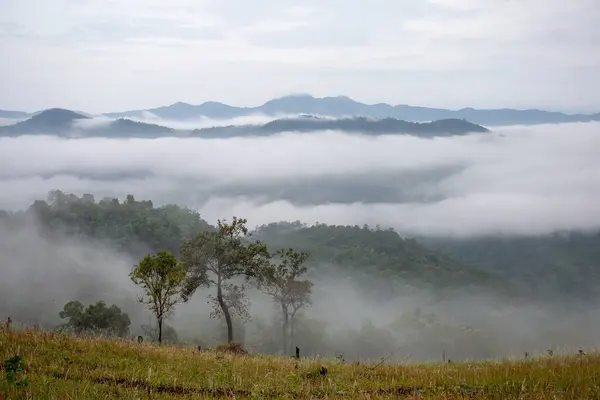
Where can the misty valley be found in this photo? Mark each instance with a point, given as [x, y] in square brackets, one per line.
[299, 200]
[321, 224]
[371, 292]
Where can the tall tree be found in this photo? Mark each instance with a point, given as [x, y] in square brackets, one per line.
[214, 258]
[164, 282]
[280, 281]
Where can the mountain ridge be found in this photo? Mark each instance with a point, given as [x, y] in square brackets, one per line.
[305, 124]
[62, 122]
[344, 106]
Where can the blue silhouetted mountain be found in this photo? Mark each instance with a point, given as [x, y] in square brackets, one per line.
[51, 121]
[71, 124]
[126, 128]
[185, 111]
[446, 127]
[362, 125]
[63, 122]
[344, 107]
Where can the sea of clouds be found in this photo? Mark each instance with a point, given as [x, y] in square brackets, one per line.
[518, 179]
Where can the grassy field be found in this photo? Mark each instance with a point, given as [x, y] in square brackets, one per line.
[58, 366]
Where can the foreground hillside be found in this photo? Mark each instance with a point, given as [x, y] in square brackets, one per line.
[58, 366]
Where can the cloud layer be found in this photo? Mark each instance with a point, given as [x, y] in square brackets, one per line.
[525, 180]
[105, 55]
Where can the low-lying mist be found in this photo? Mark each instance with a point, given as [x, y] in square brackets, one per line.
[515, 180]
[348, 317]
[203, 122]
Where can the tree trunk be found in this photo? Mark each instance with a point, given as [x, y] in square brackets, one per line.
[160, 323]
[284, 329]
[225, 310]
[292, 326]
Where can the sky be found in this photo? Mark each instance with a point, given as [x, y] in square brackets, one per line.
[113, 55]
[514, 180]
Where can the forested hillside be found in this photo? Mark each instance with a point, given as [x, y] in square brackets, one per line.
[134, 227]
[373, 290]
[566, 264]
[138, 227]
[367, 252]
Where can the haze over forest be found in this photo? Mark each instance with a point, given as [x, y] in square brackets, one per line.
[501, 226]
[444, 185]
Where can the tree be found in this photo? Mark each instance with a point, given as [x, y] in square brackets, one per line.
[280, 281]
[163, 280]
[169, 334]
[95, 318]
[213, 258]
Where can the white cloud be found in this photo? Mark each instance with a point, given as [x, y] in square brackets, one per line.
[516, 180]
[199, 123]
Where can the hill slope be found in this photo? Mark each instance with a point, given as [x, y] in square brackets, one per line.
[137, 227]
[60, 366]
[361, 125]
[61, 122]
[550, 265]
[55, 120]
[126, 128]
[364, 253]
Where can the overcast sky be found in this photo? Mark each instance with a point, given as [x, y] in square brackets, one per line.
[110, 55]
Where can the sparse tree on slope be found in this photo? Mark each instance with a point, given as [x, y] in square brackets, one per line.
[164, 282]
[280, 281]
[214, 258]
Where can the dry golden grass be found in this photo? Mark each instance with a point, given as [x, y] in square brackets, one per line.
[60, 366]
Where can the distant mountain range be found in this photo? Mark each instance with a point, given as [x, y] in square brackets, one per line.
[345, 107]
[69, 123]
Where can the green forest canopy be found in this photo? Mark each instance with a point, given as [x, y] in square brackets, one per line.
[138, 227]
[567, 263]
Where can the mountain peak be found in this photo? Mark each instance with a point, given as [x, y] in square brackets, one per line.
[57, 116]
[52, 120]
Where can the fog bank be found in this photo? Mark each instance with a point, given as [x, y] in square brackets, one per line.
[349, 317]
[527, 180]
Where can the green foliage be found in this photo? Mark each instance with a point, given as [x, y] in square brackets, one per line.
[14, 373]
[138, 228]
[163, 280]
[13, 369]
[565, 264]
[133, 227]
[214, 258]
[368, 252]
[96, 318]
